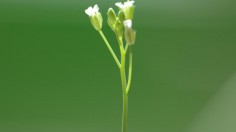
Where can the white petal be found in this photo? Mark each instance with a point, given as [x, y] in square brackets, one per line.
[92, 10]
[89, 11]
[129, 3]
[128, 23]
[120, 5]
[95, 8]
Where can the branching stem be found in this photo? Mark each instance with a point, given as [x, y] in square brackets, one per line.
[110, 49]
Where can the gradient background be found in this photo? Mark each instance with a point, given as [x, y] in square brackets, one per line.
[56, 74]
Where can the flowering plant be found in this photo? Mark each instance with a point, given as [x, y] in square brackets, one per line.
[121, 25]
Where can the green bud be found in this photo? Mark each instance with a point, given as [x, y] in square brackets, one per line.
[119, 29]
[129, 33]
[96, 21]
[111, 17]
[130, 37]
[121, 16]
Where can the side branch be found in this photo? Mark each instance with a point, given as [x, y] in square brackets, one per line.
[110, 49]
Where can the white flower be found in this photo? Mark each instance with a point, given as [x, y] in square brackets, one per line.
[125, 5]
[91, 11]
[95, 17]
[127, 8]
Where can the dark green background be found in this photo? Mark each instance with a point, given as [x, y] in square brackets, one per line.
[56, 74]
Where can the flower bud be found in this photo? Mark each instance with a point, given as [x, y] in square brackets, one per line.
[95, 17]
[119, 29]
[121, 16]
[129, 33]
[111, 16]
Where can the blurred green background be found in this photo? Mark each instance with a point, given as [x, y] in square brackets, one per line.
[56, 74]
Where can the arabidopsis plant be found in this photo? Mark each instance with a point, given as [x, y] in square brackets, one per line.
[121, 25]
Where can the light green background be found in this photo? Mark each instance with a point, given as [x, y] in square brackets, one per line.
[56, 74]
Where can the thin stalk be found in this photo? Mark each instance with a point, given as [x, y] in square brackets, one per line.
[123, 82]
[122, 73]
[110, 49]
[130, 69]
[126, 48]
[125, 94]
[125, 112]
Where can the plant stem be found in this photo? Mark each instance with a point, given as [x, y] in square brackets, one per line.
[125, 95]
[130, 70]
[110, 49]
[126, 48]
[124, 87]
[122, 67]
[125, 112]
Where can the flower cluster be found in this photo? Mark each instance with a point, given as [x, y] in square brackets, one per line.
[120, 23]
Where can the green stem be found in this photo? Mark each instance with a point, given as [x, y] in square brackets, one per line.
[125, 112]
[130, 69]
[123, 82]
[122, 71]
[126, 48]
[110, 49]
[125, 94]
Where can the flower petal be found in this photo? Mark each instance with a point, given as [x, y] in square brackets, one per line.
[127, 23]
[95, 8]
[129, 3]
[89, 11]
[120, 5]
